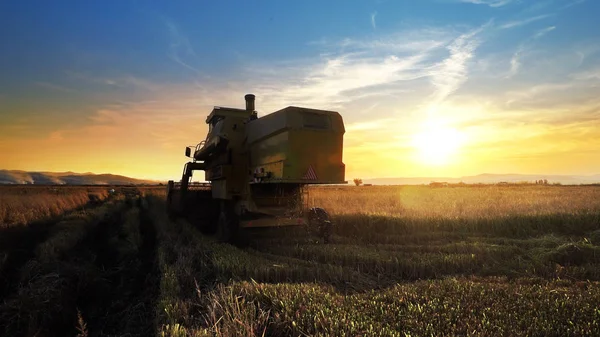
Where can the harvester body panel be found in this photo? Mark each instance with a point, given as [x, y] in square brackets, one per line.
[297, 145]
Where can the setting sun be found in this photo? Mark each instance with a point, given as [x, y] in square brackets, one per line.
[437, 144]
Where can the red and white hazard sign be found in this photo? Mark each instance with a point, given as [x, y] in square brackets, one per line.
[310, 174]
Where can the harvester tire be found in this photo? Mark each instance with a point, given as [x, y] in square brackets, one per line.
[228, 224]
[320, 223]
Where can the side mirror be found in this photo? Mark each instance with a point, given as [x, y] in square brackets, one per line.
[188, 152]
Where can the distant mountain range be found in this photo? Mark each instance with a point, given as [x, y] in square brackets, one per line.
[489, 179]
[72, 178]
[67, 178]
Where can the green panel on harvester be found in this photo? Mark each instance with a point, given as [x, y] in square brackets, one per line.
[298, 144]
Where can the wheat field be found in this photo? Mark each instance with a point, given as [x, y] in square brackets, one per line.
[404, 261]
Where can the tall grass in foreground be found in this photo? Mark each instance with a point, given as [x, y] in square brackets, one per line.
[22, 205]
[451, 307]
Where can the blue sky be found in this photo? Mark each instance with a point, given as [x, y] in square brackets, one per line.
[495, 70]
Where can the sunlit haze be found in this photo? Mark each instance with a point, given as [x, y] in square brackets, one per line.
[426, 88]
[437, 144]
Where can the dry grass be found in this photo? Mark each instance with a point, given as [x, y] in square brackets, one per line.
[388, 213]
[22, 205]
[484, 202]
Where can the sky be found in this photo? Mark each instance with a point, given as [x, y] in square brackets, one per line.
[425, 88]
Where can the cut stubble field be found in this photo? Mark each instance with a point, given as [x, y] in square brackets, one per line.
[404, 261]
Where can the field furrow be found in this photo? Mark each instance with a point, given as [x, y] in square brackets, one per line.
[96, 280]
[19, 244]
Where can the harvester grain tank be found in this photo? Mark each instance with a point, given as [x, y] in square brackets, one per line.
[258, 169]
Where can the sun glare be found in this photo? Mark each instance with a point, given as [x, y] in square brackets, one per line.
[437, 144]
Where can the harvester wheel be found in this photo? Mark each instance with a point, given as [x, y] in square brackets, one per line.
[227, 226]
[320, 222]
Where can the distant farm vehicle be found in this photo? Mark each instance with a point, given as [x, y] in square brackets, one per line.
[258, 170]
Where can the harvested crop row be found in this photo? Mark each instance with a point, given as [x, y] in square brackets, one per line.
[100, 285]
[45, 296]
[577, 260]
[128, 286]
[44, 241]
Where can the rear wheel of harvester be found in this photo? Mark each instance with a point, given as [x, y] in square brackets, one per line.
[228, 224]
[320, 224]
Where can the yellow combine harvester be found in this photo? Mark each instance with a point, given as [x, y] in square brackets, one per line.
[258, 169]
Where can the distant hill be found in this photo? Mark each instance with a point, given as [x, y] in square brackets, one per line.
[67, 178]
[88, 178]
[489, 179]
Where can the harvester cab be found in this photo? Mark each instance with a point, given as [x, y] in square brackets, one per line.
[258, 170]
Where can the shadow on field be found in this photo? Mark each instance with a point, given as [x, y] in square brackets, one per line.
[18, 244]
[107, 284]
[120, 300]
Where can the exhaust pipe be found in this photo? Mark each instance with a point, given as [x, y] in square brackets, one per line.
[250, 102]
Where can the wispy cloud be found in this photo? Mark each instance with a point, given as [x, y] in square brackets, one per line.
[535, 91]
[523, 22]
[53, 86]
[373, 23]
[352, 70]
[591, 74]
[404, 42]
[448, 75]
[515, 62]
[370, 125]
[339, 80]
[543, 32]
[572, 3]
[538, 5]
[491, 3]
[123, 81]
[358, 70]
[180, 46]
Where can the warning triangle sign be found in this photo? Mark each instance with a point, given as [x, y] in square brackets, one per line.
[310, 174]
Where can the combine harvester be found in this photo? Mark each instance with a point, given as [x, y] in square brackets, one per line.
[258, 169]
